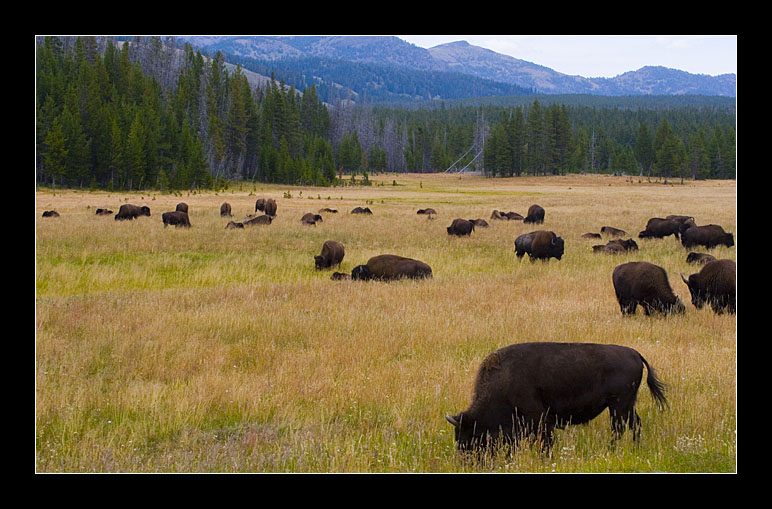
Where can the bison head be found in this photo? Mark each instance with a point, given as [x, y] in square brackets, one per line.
[319, 262]
[471, 435]
[361, 272]
[697, 293]
[145, 211]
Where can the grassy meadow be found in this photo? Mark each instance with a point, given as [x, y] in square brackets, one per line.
[212, 350]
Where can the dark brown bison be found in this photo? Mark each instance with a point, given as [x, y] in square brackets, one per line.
[233, 225]
[479, 222]
[426, 211]
[709, 236]
[659, 228]
[50, 213]
[591, 236]
[103, 212]
[460, 227]
[614, 232]
[128, 211]
[176, 218]
[270, 207]
[699, 258]
[260, 205]
[225, 210]
[182, 207]
[646, 284]
[617, 246]
[684, 222]
[258, 220]
[332, 254]
[327, 209]
[361, 210]
[535, 215]
[311, 219]
[715, 284]
[388, 267]
[531, 389]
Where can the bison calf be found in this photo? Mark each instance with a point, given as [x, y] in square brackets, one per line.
[646, 284]
[531, 389]
[715, 284]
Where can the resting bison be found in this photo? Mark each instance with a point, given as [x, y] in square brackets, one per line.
[50, 213]
[715, 284]
[514, 216]
[103, 212]
[710, 236]
[332, 254]
[225, 210]
[129, 211]
[182, 207]
[360, 210]
[388, 267]
[310, 219]
[233, 225]
[591, 236]
[497, 215]
[646, 284]
[460, 227]
[177, 218]
[535, 215]
[260, 205]
[699, 258]
[270, 207]
[264, 219]
[659, 228]
[426, 211]
[326, 209]
[530, 389]
[614, 232]
[616, 246]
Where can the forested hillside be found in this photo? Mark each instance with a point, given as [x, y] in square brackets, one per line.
[143, 114]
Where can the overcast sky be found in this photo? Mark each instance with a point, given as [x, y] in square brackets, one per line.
[606, 55]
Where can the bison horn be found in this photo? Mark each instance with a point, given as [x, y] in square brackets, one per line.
[451, 420]
[684, 279]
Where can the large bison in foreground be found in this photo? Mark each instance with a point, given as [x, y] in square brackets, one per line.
[709, 236]
[646, 284]
[715, 284]
[332, 254]
[388, 267]
[129, 211]
[530, 389]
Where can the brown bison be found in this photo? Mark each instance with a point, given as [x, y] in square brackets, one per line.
[182, 207]
[311, 219]
[715, 284]
[699, 258]
[660, 228]
[531, 389]
[616, 246]
[684, 222]
[176, 218]
[513, 216]
[361, 210]
[388, 267]
[614, 232]
[260, 205]
[103, 212]
[497, 215]
[646, 284]
[535, 215]
[460, 227]
[258, 220]
[128, 211]
[225, 209]
[540, 245]
[709, 236]
[327, 209]
[232, 225]
[426, 211]
[50, 213]
[591, 236]
[480, 222]
[332, 254]
[270, 207]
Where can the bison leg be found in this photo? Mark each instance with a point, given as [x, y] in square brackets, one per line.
[628, 306]
[624, 416]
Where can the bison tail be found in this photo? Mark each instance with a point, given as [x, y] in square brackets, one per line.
[656, 386]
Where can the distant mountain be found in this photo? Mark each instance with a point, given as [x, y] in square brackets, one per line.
[382, 56]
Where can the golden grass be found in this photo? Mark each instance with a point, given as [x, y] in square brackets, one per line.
[213, 350]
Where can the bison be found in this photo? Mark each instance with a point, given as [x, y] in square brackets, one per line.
[327, 209]
[616, 246]
[388, 267]
[699, 258]
[182, 207]
[656, 227]
[535, 215]
[531, 389]
[614, 232]
[270, 207]
[332, 254]
[460, 227]
[176, 218]
[310, 218]
[591, 236]
[50, 213]
[232, 225]
[479, 222]
[709, 236]
[104, 212]
[497, 215]
[523, 244]
[225, 210]
[260, 205]
[259, 220]
[513, 216]
[338, 276]
[361, 210]
[715, 284]
[128, 211]
[684, 222]
[646, 284]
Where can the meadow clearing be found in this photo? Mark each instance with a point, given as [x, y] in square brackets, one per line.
[212, 350]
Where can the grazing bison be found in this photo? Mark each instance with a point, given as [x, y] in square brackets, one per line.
[259, 220]
[460, 227]
[233, 225]
[591, 236]
[659, 228]
[546, 245]
[225, 210]
[426, 211]
[535, 215]
[270, 207]
[646, 284]
[332, 254]
[311, 219]
[326, 209]
[361, 210]
[182, 207]
[614, 232]
[710, 236]
[260, 205]
[479, 222]
[699, 258]
[715, 284]
[530, 389]
[388, 267]
[103, 212]
[50, 213]
[128, 211]
[176, 218]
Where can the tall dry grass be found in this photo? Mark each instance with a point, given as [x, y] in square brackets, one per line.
[212, 350]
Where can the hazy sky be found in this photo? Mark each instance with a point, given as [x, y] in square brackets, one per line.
[606, 55]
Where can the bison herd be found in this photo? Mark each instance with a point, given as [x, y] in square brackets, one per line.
[530, 389]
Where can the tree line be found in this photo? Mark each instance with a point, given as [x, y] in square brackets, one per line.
[143, 114]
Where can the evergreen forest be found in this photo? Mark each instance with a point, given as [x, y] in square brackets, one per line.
[143, 114]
